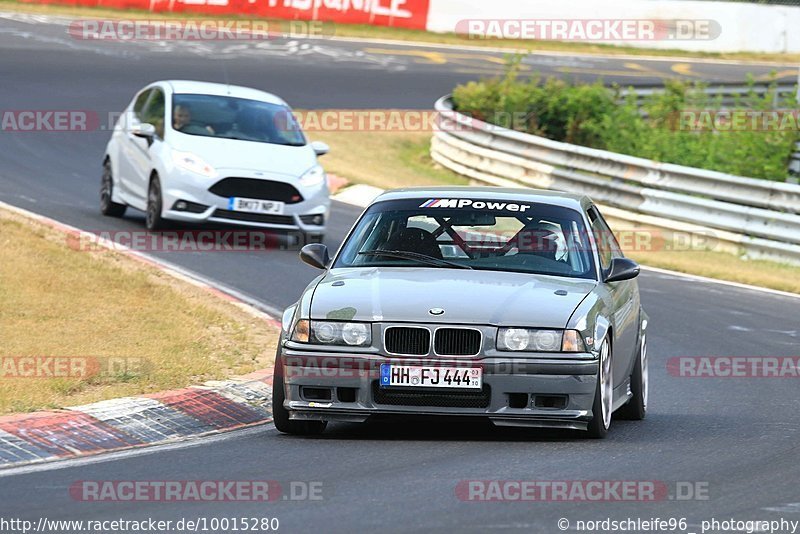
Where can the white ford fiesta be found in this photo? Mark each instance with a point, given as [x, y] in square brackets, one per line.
[206, 152]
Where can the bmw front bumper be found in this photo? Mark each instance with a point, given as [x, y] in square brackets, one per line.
[517, 391]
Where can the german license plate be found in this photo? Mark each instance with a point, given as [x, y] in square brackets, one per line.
[431, 377]
[254, 205]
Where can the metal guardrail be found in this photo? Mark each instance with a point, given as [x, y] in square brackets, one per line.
[726, 92]
[759, 217]
[728, 95]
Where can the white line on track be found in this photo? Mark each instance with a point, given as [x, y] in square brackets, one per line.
[728, 283]
[185, 443]
[559, 53]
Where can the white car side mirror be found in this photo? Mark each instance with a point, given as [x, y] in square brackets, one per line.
[143, 129]
[320, 148]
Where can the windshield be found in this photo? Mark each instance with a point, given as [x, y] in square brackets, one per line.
[471, 233]
[235, 118]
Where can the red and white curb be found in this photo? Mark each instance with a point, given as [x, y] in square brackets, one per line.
[157, 418]
[360, 195]
[130, 422]
[151, 419]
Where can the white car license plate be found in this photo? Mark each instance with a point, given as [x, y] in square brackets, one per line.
[431, 377]
[254, 205]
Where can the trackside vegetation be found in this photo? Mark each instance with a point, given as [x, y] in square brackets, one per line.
[81, 324]
[682, 125]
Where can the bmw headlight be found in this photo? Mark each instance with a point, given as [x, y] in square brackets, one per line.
[300, 332]
[356, 334]
[332, 333]
[313, 176]
[193, 163]
[539, 340]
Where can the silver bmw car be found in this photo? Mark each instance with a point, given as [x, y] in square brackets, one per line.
[515, 305]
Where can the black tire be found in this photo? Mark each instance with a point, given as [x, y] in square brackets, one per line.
[153, 220]
[107, 206]
[636, 408]
[599, 426]
[280, 415]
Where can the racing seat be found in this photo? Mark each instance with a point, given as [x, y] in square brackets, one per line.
[414, 240]
[537, 240]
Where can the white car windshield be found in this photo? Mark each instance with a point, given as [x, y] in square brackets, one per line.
[496, 235]
[235, 118]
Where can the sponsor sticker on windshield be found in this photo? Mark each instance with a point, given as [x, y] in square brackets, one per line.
[465, 203]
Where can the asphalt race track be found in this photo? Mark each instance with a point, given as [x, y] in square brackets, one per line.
[738, 438]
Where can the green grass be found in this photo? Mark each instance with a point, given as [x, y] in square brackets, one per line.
[135, 328]
[723, 266]
[384, 159]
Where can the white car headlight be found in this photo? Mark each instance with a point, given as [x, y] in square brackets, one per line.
[332, 333]
[193, 163]
[539, 340]
[313, 176]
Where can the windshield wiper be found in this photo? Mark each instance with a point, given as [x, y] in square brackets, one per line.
[408, 255]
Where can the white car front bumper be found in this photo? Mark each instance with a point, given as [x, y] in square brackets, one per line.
[204, 206]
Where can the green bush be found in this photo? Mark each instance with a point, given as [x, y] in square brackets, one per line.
[596, 116]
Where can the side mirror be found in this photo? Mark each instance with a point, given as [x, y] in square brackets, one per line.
[622, 269]
[316, 255]
[320, 148]
[143, 129]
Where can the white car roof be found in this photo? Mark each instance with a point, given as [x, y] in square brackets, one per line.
[221, 89]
